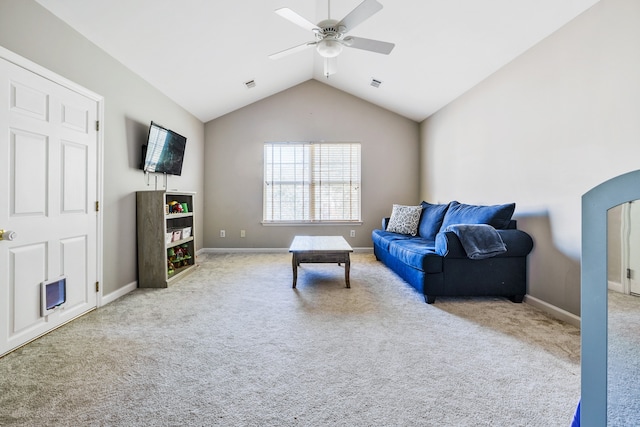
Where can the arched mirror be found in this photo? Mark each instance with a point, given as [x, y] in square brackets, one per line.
[610, 327]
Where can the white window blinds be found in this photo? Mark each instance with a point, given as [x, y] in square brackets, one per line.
[311, 182]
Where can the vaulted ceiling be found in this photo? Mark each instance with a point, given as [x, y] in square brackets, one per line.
[200, 53]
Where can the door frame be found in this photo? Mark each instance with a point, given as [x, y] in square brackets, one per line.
[31, 66]
[625, 234]
[626, 249]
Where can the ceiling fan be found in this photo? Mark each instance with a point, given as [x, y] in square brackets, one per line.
[331, 35]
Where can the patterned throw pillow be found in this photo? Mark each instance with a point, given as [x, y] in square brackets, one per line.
[404, 219]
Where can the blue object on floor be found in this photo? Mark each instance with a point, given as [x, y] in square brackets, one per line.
[576, 417]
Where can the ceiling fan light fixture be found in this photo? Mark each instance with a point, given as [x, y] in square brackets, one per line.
[329, 48]
[331, 35]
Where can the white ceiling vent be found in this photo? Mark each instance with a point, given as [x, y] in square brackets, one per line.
[250, 84]
[375, 83]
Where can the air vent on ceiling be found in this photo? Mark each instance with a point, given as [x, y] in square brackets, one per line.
[250, 84]
[375, 83]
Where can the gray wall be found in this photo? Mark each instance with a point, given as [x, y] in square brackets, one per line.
[311, 111]
[542, 131]
[130, 104]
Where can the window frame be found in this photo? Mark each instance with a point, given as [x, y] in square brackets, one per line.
[311, 184]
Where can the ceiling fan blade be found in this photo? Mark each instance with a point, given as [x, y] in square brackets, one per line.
[330, 66]
[291, 50]
[361, 13]
[292, 16]
[369, 44]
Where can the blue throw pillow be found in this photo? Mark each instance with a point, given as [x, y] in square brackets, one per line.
[498, 216]
[431, 220]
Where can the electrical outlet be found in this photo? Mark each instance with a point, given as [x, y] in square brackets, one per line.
[222, 233]
[243, 233]
[353, 233]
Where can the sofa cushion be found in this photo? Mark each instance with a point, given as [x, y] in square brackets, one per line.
[431, 220]
[383, 239]
[497, 216]
[418, 253]
[404, 219]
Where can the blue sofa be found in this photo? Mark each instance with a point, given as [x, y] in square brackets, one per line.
[427, 249]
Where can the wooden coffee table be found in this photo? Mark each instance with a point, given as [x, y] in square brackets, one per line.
[320, 249]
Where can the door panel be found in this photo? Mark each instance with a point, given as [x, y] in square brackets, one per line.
[74, 264]
[28, 173]
[74, 179]
[47, 198]
[28, 101]
[27, 270]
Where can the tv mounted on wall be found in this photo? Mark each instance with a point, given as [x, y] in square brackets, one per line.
[164, 151]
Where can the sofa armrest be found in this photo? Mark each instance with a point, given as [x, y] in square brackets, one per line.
[385, 222]
[518, 244]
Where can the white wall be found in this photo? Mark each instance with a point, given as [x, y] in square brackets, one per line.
[542, 131]
[130, 104]
[311, 111]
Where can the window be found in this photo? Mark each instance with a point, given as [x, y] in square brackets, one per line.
[312, 182]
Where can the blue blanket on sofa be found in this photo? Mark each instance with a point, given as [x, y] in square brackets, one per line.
[478, 240]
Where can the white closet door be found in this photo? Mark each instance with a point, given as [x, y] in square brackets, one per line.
[48, 182]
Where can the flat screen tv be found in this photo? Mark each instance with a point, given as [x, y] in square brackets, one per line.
[164, 151]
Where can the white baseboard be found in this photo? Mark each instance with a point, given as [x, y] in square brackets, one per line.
[616, 286]
[241, 250]
[270, 250]
[106, 299]
[554, 311]
[365, 250]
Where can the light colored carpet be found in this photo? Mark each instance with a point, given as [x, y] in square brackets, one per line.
[623, 363]
[234, 345]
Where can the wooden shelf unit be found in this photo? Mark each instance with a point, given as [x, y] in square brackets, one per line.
[153, 223]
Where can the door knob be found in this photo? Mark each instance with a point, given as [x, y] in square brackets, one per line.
[7, 235]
